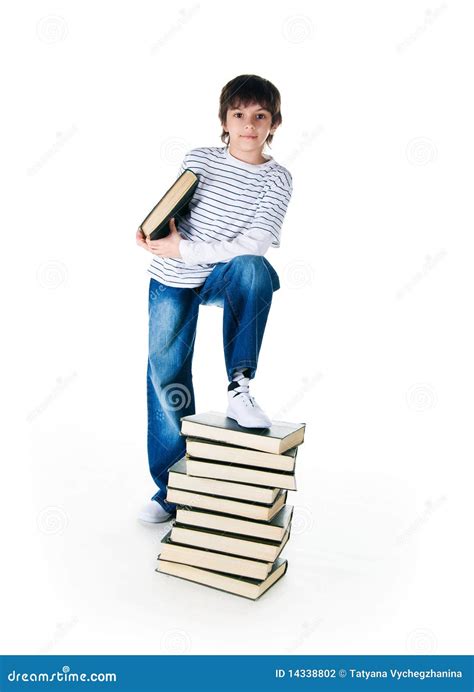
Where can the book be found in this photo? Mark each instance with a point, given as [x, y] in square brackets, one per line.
[179, 478]
[272, 530]
[208, 559]
[240, 474]
[238, 508]
[225, 542]
[240, 586]
[216, 426]
[218, 451]
[174, 203]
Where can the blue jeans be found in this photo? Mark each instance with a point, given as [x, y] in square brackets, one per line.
[243, 287]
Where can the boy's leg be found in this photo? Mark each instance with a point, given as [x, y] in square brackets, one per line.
[173, 316]
[244, 287]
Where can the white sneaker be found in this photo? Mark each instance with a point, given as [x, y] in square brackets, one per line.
[244, 409]
[154, 513]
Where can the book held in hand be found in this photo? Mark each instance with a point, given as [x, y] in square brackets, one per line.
[174, 203]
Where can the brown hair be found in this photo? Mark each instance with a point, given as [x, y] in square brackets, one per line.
[244, 90]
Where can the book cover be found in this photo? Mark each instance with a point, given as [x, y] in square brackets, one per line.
[214, 425]
[174, 203]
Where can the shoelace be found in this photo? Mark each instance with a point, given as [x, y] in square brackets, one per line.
[243, 388]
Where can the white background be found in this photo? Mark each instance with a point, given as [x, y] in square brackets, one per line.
[369, 340]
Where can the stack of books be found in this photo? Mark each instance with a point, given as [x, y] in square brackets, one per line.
[232, 520]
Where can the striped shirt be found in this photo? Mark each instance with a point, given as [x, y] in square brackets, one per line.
[237, 209]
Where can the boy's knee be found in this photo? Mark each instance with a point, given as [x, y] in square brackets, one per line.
[248, 262]
[255, 269]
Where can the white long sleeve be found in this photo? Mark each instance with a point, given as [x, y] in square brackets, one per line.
[238, 208]
[265, 227]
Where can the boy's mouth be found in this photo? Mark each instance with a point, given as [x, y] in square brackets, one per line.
[249, 136]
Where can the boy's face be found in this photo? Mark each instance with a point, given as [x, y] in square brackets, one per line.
[248, 127]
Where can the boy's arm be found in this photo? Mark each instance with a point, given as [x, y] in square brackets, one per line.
[264, 230]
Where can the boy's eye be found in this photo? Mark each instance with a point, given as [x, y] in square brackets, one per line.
[259, 115]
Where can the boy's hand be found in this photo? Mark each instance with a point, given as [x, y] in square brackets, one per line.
[166, 247]
[141, 238]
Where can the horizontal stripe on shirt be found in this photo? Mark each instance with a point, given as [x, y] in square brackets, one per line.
[236, 205]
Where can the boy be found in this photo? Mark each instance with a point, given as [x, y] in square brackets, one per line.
[216, 258]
